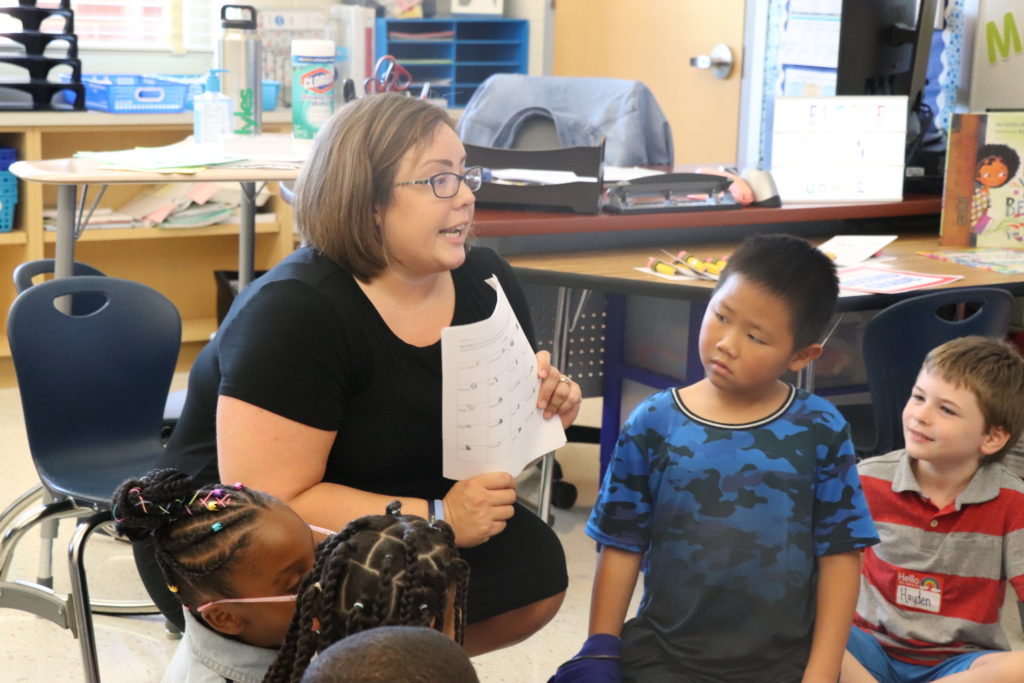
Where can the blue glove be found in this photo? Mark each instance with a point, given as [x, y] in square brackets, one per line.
[596, 662]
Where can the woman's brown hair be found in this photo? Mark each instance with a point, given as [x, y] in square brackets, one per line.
[350, 174]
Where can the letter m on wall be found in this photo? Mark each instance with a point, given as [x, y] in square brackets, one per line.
[1001, 42]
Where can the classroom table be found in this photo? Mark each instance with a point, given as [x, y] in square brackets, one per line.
[613, 272]
[72, 214]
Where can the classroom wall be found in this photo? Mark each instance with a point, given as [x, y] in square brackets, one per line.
[538, 12]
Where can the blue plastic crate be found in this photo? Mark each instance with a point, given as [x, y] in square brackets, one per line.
[196, 85]
[8, 200]
[130, 94]
[8, 155]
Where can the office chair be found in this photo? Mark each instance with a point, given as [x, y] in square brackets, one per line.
[582, 111]
[92, 389]
[898, 338]
[25, 273]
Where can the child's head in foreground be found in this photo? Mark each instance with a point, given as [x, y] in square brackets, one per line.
[380, 570]
[411, 654]
[966, 402]
[772, 305]
[222, 548]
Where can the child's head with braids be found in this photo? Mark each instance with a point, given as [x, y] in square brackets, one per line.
[380, 570]
[220, 546]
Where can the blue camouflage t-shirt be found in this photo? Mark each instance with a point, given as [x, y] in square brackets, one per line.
[732, 518]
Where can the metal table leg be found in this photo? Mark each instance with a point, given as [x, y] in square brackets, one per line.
[247, 235]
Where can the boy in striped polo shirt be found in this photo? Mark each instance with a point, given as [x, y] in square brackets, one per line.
[951, 520]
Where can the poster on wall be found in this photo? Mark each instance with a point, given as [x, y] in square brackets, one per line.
[997, 67]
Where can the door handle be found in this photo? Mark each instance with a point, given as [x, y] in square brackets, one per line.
[719, 61]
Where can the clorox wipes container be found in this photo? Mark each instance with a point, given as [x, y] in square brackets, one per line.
[312, 86]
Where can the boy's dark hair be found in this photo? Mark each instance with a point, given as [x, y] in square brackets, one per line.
[796, 272]
[380, 570]
[411, 654]
[198, 532]
[1008, 155]
[993, 371]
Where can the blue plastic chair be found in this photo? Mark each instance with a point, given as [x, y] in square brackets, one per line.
[92, 389]
[25, 273]
[900, 336]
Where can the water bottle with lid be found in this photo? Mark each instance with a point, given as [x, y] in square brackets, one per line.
[335, 32]
[238, 52]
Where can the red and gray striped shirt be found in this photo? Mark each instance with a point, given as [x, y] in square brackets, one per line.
[933, 587]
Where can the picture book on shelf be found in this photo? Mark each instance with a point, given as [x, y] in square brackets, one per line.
[983, 195]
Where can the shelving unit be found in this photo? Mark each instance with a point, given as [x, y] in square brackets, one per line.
[455, 55]
[178, 262]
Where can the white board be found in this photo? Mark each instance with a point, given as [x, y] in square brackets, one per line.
[838, 149]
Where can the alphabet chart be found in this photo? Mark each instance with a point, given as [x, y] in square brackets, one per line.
[490, 419]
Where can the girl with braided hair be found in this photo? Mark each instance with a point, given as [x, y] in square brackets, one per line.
[380, 570]
[233, 556]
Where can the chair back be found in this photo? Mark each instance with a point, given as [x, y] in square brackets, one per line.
[897, 340]
[24, 273]
[507, 111]
[93, 386]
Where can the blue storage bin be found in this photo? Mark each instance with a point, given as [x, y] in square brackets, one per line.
[195, 84]
[126, 93]
[8, 155]
[8, 200]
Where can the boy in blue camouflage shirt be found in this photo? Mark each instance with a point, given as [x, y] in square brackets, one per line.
[738, 496]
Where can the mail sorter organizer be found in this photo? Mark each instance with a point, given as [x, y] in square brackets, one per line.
[38, 67]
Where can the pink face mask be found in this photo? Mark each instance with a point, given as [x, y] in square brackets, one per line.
[269, 598]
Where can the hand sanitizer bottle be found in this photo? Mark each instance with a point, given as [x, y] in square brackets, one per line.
[212, 114]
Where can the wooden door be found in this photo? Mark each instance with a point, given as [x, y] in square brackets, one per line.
[652, 41]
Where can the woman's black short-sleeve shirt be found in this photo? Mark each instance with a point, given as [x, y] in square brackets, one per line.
[304, 342]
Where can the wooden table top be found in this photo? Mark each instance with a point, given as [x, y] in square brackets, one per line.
[614, 271]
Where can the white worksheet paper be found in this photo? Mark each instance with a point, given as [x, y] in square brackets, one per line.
[490, 419]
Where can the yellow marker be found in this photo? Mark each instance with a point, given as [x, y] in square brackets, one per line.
[716, 267]
[659, 266]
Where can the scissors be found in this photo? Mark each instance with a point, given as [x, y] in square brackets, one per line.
[388, 76]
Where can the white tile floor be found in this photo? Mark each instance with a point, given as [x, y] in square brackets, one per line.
[135, 649]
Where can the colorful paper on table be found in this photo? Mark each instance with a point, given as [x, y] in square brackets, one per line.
[1006, 261]
[849, 250]
[489, 416]
[877, 280]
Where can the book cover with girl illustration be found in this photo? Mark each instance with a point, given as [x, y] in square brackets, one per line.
[983, 197]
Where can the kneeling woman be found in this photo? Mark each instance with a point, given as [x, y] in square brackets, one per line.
[323, 385]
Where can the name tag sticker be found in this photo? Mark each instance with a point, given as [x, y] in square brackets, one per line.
[918, 591]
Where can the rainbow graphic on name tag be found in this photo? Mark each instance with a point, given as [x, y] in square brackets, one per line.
[918, 592]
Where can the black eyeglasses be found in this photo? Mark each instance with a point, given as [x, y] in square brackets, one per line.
[446, 185]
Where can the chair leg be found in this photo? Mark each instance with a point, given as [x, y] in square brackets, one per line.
[13, 532]
[80, 594]
[12, 511]
[47, 535]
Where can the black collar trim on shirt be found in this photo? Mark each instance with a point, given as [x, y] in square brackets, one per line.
[731, 425]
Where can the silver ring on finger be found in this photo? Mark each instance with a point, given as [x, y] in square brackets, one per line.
[565, 378]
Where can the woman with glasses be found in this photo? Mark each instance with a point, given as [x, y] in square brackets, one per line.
[323, 384]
